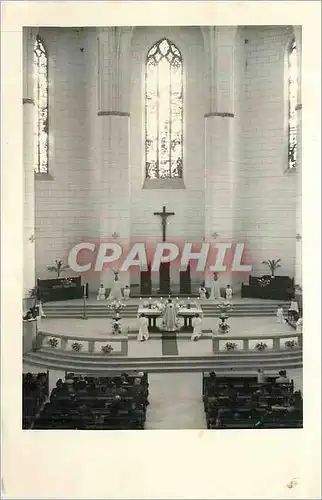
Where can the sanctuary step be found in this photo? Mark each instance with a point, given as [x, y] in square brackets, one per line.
[99, 310]
[222, 362]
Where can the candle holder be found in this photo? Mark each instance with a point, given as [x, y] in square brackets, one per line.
[84, 316]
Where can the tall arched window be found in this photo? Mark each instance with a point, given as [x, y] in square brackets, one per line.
[292, 104]
[163, 111]
[40, 67]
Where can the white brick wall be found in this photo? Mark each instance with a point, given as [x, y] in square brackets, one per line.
[267, 200]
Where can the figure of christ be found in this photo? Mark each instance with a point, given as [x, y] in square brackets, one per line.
[170, 316]
[116, 292]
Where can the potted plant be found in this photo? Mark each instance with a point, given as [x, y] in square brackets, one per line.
[58, 267]
[290, 344]
[231, 346]
[261, 346]
[53, 343]
[272, 265]
[107, 349]
[76, 346]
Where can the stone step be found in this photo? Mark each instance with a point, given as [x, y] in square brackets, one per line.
[175, 364]
[123, 367]
[223, 356]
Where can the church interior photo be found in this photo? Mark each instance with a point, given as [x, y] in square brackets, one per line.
[162, 135]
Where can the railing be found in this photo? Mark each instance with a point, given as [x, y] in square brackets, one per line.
[74, 343]
[250, 342]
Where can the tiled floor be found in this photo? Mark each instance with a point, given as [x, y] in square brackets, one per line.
[175, 401]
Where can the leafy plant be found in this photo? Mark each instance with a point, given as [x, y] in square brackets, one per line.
[290, 344]
[107, 349]
[223, 328]
[76, 346]
[261, 346]
[272, 265]
[53, 343]
[231, 346]
[58, 267]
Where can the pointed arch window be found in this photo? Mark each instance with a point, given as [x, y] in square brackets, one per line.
[292, 104]
[163, 111]
[40, 67]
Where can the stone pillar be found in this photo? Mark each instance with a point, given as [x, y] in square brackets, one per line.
[114, 117]
[220, 135]
[298, 247]
[28, 162]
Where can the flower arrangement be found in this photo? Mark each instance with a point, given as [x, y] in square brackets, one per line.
[223, 328]
[231, 346]
[298, 288]
[116, 305]
[107, 349]
[76, 346]
[263, 282]
[53, 343]
[290, 344]
[116, 327]
[224, 306]
[261, 346]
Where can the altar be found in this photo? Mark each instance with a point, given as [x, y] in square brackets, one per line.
[185, 311]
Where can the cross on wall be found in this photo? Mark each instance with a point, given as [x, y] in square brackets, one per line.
[164, 216]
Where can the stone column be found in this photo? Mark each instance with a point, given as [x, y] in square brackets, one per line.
[114, 117]
[298, 247]
[220, 136]
[28, 162]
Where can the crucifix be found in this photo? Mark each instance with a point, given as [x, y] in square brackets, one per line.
[164, 215]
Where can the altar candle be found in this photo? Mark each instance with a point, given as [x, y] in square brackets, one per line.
[84, 286]
[150, 298]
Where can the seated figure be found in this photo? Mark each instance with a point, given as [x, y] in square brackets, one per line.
[126, 292]
[202, 292]
[101, 293]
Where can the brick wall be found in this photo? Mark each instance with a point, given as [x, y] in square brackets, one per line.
[267, 200]
[59, 201]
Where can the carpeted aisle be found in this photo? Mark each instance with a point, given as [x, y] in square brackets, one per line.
[169, 344]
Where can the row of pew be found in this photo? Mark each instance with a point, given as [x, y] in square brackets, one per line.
[241, 402]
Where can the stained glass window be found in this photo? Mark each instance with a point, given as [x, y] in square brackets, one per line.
[163, 111]
[292, 103]
[41, 105]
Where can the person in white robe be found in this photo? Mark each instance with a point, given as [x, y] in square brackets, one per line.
[170, 316]
[229, 292]
[293, 312]
[101, 293]
[116, 292]
[280, 315]
[143, 328]
[215, 289]
[299, 325]
[126, 292]
[197, 327]
[202, 293]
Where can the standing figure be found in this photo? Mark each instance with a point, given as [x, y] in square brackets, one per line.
[116, 292]
[202, 292]
[215, 289]
[143, 328]
[170, 316]
[280, 315]
[299, 325]
[229, 292]
[293, 312]
[197, 327]
[126, 292]
[101, 293]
